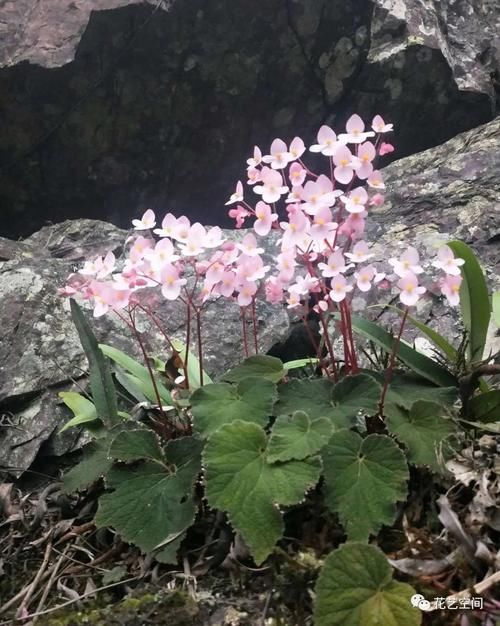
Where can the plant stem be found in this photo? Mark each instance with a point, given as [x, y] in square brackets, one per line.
[329, 346]
[244, 330]
[148, 364]
[390, 369]
[354, 368]
[200, 343]
[254, 323]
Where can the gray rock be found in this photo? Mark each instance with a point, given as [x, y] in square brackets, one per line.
[40, 352]
[112, 106]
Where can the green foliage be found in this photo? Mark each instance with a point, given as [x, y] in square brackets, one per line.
[320, 397]
[138, 375]
[298, 363]
[151, 505]
[474, 300]
[417, 362]
[364, 479]
[134, 445]
[355, 588]
[83, 409]
[242, 481]
[423, 429]
[485, 407]
[101, 381]
[262, 366]
[221, 403]
[193, 365]
[94, 465]
[405, 389]
[297, 437]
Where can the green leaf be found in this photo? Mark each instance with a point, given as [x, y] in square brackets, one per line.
[422, 429]
[364, 479]
[151, 506]
[355, 395]
[495, 308]
[405, 389]
[264, 366]
[437, 339]
[355, 588]
[241, 481]
[314, 397]
[95, 463]
[297, 437]
[221, 403]
[474, 299]
[83, 409]
[298, 363]
[101, 381]
[193, 367]
[129, 383]
[140, 372]
[419, 363]
[486, 406]
[133, 445]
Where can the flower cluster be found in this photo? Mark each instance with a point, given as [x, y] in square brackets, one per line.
[322, 258]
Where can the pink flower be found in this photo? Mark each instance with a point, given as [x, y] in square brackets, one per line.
[375, 180]
[250, 268]
[345, 163]
[103, 294]
[297, 148]
[447, 262]
[107, 266]
[293, 300]
[318, 194]
[385, 148]
[354, 225]
[355, 131]
[365, 276]
[304, 285]
[366, 154]
[297, 174]
[253, 175]
[170, 281]
[279, 157]
[265, 218]
[139, 247]
[296, 227]
[195, 240]
[327, 141]
[168, 226]
[410, 289]
[356, 200]
[379, 126]
[360, 252]
[162, 253]
[339, 288]
[257, 157]
[239, 214]
[407, 262]
[214, 237]
[377, 200]
[322, 224]
[295, 195]
[246, 292]
[146, 222]
[181, 230]
[450, 287]
[286, 263]
[248, 246]
[272, 188]
[237, 196]
[227, 284]
[334, 266]
[274, 290]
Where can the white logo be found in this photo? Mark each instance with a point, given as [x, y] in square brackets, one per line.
[419, 602]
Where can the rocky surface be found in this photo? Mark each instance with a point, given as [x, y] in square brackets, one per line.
[449, 191]
[112, 106]
[40, 352]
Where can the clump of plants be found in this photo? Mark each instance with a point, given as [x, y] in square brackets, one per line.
[255, 442]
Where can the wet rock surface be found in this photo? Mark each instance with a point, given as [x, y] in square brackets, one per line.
[112, 106]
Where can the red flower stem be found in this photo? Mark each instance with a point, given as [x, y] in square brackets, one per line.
[147, 363]
[254, 323]
[343, 328]
[355, 368]
[244, 329]
[200, 343]
[390, 369]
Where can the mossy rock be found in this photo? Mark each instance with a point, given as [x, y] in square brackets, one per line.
[154, 609]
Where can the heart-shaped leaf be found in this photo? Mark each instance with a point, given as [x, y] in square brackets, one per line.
[355, 588]
[422, 429]
[364, 478]
[356, 395]
[261, 365]
[95, 463]
[221, 403]
[297, 436]
[241, 481]
[132, 445]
